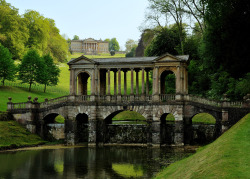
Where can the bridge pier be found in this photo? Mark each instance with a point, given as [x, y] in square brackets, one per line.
[156, 133]
[179, 133]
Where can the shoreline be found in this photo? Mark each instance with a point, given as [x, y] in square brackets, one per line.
[187, 148]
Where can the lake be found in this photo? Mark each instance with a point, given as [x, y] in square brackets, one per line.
[90, 163]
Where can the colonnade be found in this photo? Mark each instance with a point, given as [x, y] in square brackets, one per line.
[90, 46]
[118, 87]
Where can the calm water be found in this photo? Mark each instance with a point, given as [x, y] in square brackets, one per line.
[90, 163]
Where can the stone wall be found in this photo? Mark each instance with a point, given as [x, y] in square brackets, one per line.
[126, 133]
[55, 131]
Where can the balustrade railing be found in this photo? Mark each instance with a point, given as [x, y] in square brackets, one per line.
[82, 98]
[18, 105]
[127, 98]
[54, 101]
[167, 97]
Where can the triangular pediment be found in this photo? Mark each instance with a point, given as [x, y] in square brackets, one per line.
[168, 57]
[81, 60]
[89, 40]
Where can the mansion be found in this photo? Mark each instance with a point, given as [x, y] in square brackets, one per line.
[89, 46]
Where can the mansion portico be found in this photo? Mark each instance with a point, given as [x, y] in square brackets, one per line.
[89, 46]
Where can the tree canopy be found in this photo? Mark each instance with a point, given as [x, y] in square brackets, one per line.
[114, 45]
[48, 75]
[31, 30]
[30, 68]
[7, 67]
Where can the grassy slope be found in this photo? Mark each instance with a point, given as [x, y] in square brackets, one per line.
[12, 133]
[227, 157]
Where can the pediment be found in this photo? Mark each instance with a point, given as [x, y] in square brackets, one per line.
[168, 57]
[89, 40]
[81, 60]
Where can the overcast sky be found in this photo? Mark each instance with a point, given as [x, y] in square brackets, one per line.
[96, 19]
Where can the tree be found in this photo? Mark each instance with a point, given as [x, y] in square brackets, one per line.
[130, 43]
[146, 38]
[227, 40]
[13, 30]
[166, 40]
[132, 52]
[75, 37]
[196, 9]
[114, 45]
[48, 76]
[170, 8]
[30, 67]
[7, 67]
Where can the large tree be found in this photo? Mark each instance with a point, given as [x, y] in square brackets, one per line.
[227, 40]
[130, 43]
[114, 45]
[76, 37]
[13, 30]
[30, 67]
[7, 66]
[48, 75]
[169, 8]
[166, 40]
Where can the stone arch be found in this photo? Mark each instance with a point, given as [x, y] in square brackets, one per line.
[82, 120]
[166, 130]
[201, 133]
[51, 130]
[165, 76]
[168, 109]
[143, 110]
[82, 82]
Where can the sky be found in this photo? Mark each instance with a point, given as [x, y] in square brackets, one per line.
[98, 19]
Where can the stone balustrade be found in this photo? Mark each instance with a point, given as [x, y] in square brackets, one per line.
[125, 98]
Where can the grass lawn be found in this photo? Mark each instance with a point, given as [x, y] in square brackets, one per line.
[21, 95]
[13, 134]
[227, 157]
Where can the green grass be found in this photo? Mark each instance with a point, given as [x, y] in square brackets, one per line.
[13, 134]
[227, 157]
[204, 118]
[21, 95]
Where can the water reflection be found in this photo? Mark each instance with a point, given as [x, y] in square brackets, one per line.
[106, 162]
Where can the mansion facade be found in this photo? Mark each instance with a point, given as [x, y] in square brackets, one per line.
[89, 46]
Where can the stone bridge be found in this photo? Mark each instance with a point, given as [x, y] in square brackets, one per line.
[97, 95]
[101, 109]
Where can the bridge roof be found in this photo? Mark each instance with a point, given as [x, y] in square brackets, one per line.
[164, 58]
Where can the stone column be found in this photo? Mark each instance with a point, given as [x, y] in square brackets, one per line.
[99, 81]
[108, 81]
[142, 82]
[132, 82]
[115, 85]
[96, 81]
[125, 82]
[178, 81]
[137, 82]
[119, 81]
[147, 82]
[73, 82]
[93, 82]
[156, 84]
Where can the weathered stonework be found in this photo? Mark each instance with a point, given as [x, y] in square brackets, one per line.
[100, 106]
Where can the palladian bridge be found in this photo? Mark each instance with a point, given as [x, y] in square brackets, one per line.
[102, 88]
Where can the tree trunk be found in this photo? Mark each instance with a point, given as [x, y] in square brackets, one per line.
[44, 88]
[3, 82]
[30, 87]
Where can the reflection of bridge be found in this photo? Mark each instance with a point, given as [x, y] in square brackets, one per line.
[101, 105]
